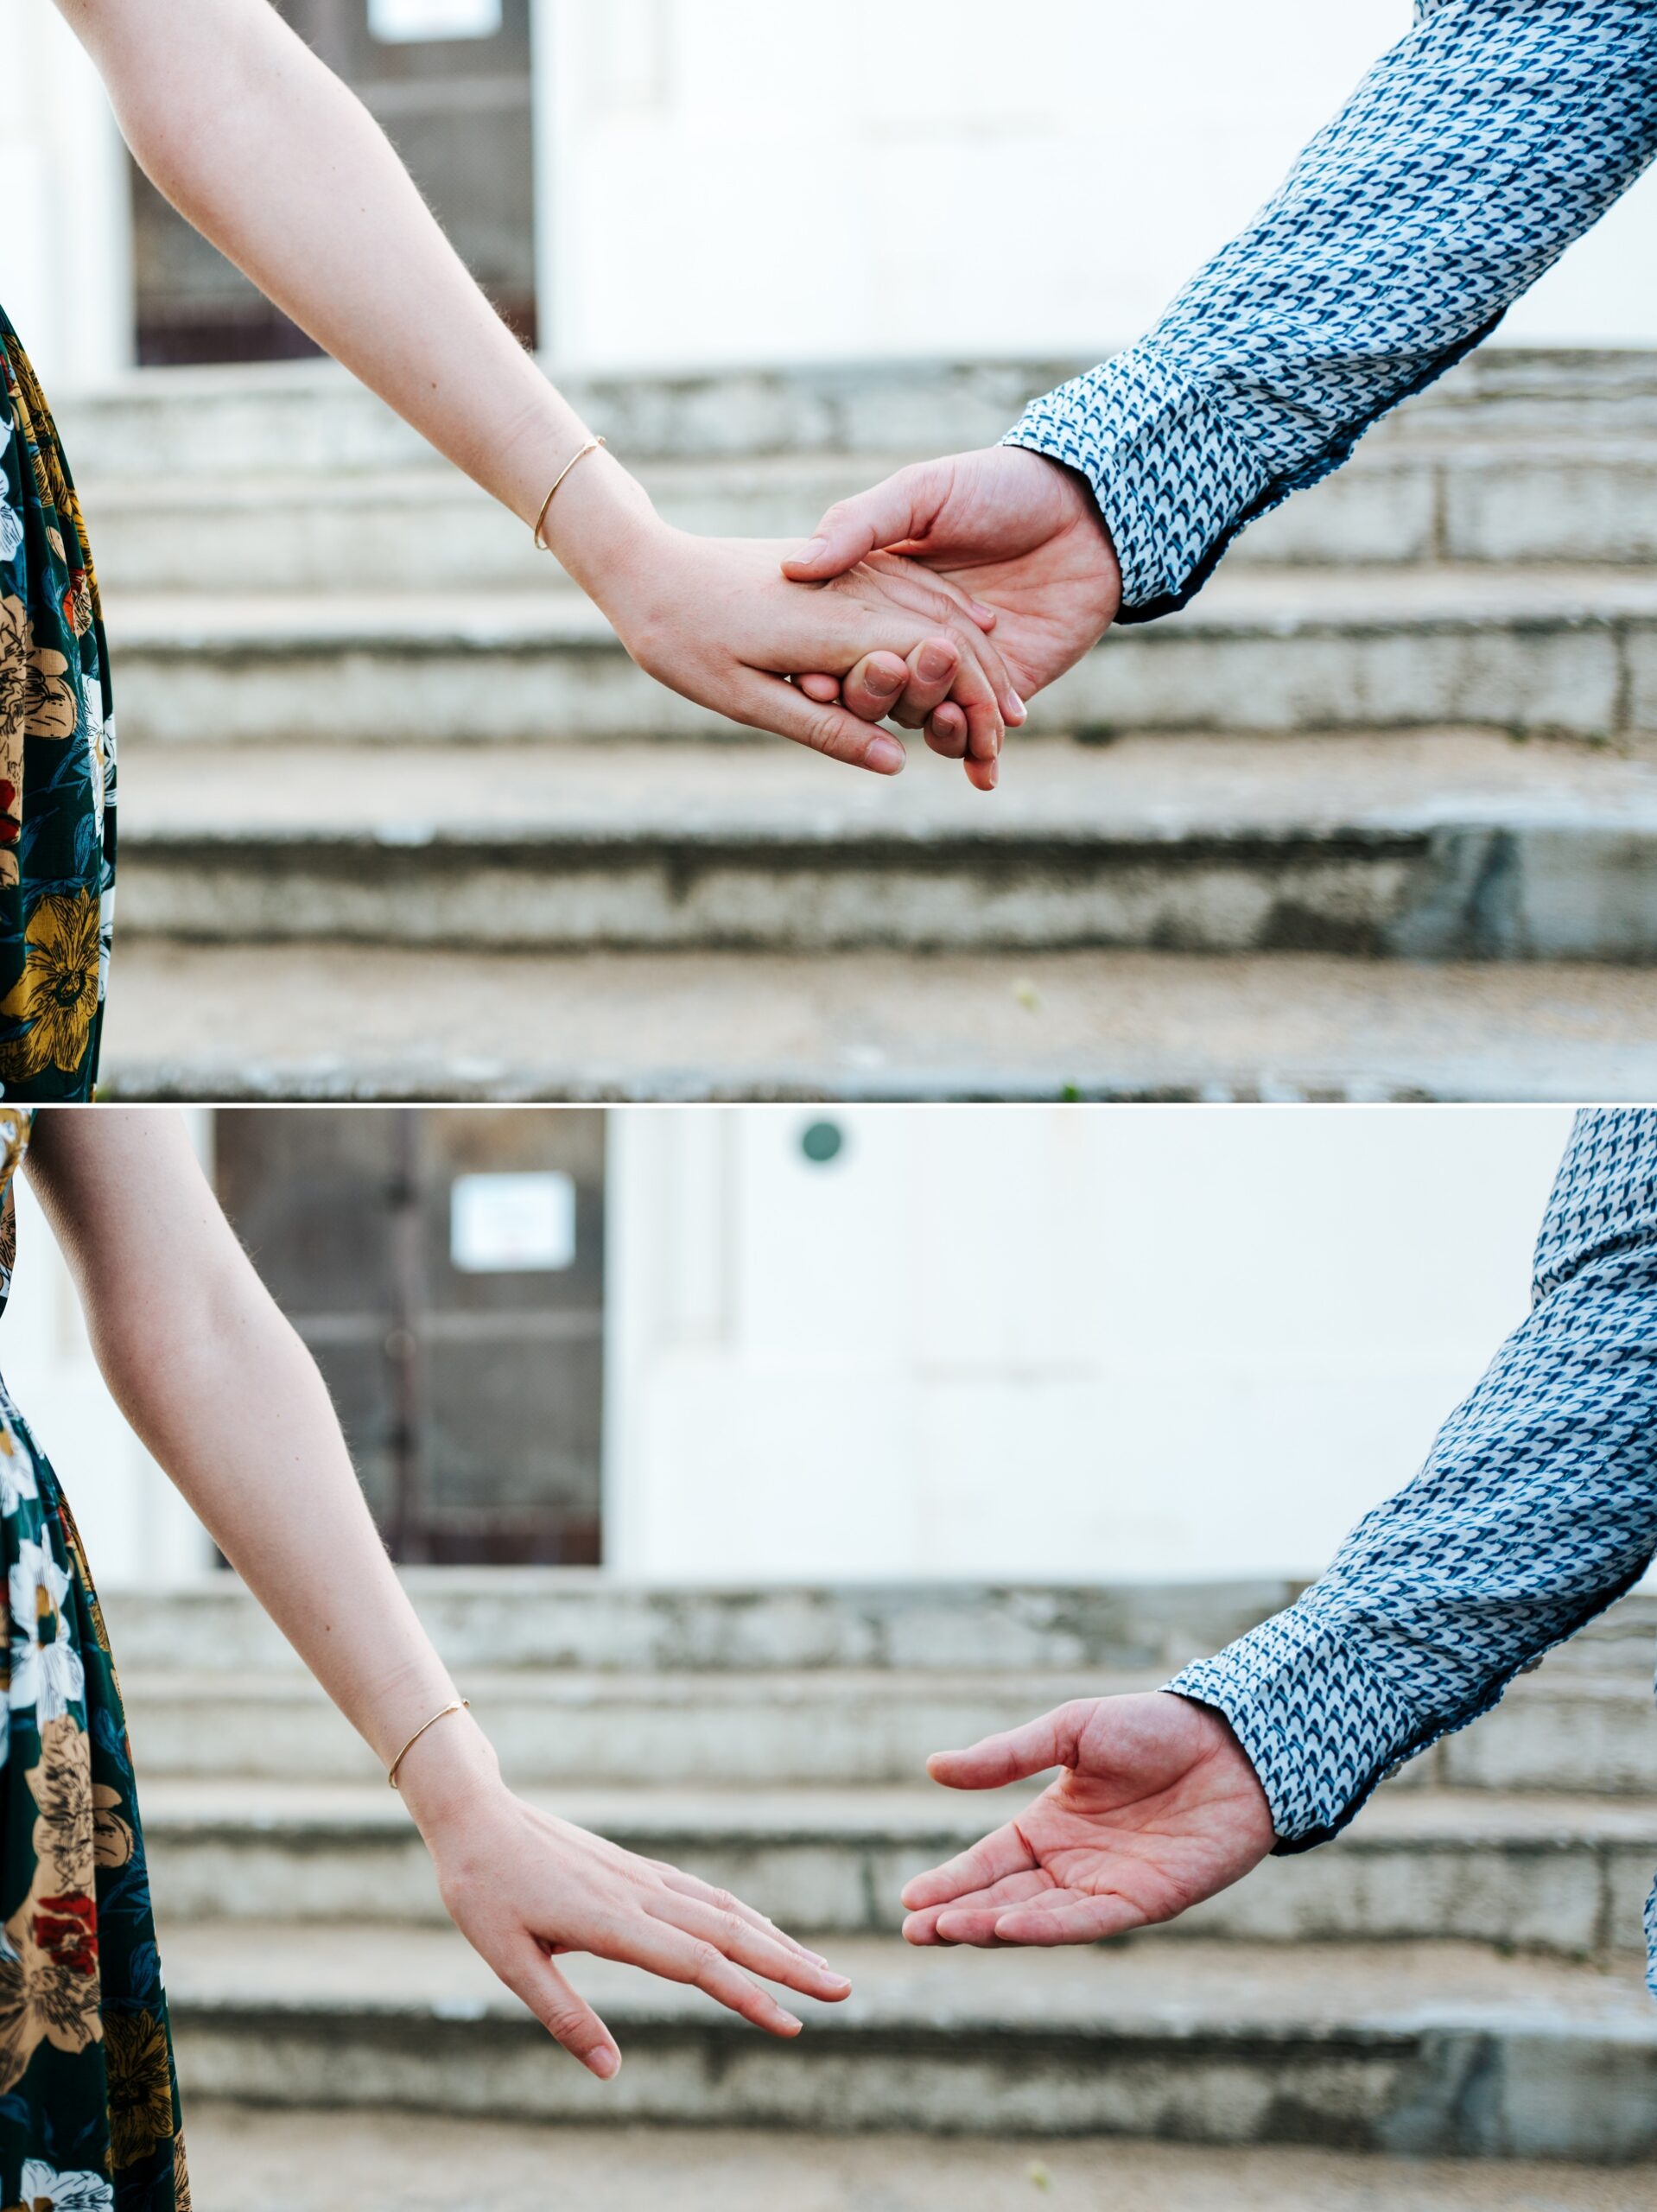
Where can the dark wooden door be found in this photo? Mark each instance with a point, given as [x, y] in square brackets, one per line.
[446, 1269]
[458, 110]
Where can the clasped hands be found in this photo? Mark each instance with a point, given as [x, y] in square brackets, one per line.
[941, 600]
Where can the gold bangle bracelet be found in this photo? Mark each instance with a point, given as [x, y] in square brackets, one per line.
[592, 446]
[460, 1705]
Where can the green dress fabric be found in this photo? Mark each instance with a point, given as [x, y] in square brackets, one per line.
[89, 2112]
[57, 760]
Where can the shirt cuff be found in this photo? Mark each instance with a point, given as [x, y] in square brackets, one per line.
[1319, 1728]
[1174, 480]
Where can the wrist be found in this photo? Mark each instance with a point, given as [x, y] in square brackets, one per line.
[602, 528]
[443, 1777]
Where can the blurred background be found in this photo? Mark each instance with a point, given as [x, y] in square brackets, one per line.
[1373, 818]
[738, 1459]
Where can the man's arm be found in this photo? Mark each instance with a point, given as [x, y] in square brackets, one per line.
[1465, 162]
[1537, 1506]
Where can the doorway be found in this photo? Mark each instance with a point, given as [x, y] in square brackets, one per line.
[449, 82]
[446, 1269]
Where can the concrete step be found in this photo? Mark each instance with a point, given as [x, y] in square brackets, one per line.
[1560, 1876]
[575, 1617]
[1436, 2050]
[1538, 650]
[309, 417]
[1573, 1734]
[1428, 847]
[1569, 499]
[248, 2158]
[341, 1022]
[582, 1619]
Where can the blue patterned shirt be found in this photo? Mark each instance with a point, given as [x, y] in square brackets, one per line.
[1536, 1508]
[1465, 162]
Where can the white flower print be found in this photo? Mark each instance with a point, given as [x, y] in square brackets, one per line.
[17, 1471]
[46, 1668]
[43, 2184]
[11, 531]
[100, 742]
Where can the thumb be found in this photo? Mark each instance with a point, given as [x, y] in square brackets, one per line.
[892, 513]
[1015, 1755]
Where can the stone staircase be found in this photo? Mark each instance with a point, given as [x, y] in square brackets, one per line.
[1458, 1976]
[388, 779]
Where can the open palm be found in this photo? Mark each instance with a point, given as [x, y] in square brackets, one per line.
[1157, 1808]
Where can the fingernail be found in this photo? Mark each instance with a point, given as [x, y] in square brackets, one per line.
[814, 549]
[936, 664]
[605, 2063]
[1014, 706]
[886, 756]
[994, 775]
[884, 684]
[837, 1981]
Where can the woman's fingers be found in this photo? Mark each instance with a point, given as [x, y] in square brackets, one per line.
[569, 2019]
[768, 702]
[690, 1885]
[644, 1940]
[760, 1949]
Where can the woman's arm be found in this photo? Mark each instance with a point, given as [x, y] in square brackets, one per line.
[271, 157]
[221, 1390]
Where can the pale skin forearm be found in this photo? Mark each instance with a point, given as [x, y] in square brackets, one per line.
[276, 161]
[220, 1389]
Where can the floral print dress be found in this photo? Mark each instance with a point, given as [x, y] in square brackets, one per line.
[89, 2116]
[57, 760]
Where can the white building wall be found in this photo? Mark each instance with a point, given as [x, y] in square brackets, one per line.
[745, 182]
[1047, 1344]
[728, 180]
[137, 1526]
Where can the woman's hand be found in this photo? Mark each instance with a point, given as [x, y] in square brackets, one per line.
[714, 619]
[521, 1886]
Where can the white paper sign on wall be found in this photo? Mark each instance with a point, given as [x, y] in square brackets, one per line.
[511, 1225]
[402, 22]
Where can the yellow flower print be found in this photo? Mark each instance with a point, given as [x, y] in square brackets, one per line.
[57, 992]
[141, 2086]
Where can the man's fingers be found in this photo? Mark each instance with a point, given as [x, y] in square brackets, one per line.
[987, 1906]
[946, 731]
[825, 690]
[992, 1858]
[761, 1950]
[889, 514]
[1064, 1916]
[767, 702]
[874, 688]
[1014, 1756]
[929, 674]
[569, 2019]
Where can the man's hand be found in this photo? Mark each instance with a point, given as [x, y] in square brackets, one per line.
[1017, 533]
[1158, 1807]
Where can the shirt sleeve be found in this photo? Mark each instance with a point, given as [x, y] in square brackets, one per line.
[1536, 1508]
[1465, 162]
